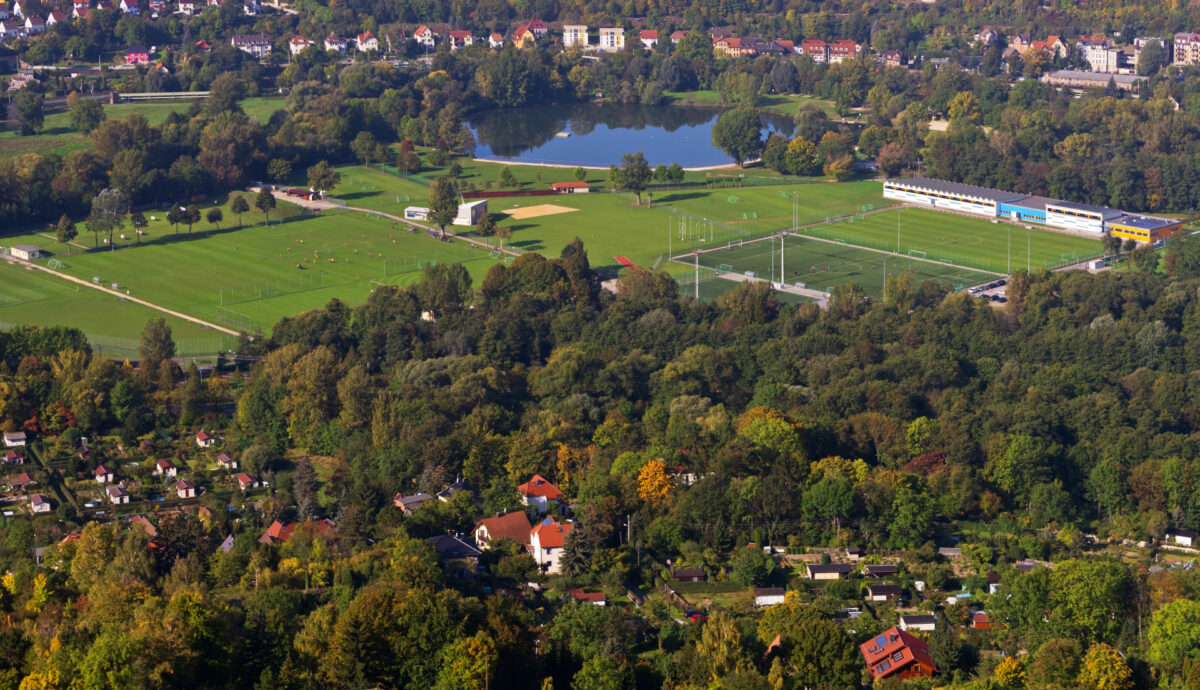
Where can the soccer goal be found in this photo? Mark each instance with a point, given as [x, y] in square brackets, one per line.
[750, 215]
[917, 254]
[55, 263]
[733, 199]
[725, 268]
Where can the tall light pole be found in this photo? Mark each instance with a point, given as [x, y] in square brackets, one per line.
[897, 230]
[1010, 250]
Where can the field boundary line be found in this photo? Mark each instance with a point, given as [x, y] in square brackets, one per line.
[128, 298]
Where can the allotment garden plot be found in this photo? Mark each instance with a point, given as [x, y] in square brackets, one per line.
[823, 265]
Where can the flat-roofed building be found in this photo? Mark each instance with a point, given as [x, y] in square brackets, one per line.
[949, 196]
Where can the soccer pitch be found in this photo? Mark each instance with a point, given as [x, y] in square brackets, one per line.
[251, 277]
[757, 210]
[960, 240]
[823, 265]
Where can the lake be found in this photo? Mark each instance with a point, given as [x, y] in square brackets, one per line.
[602, 132]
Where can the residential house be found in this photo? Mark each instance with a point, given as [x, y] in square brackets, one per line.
[896, 653]
[788, 47]
[39, 504]
[854, 553]
[157, 6]
[980, 621]
[117, 495]
[129, 6]
[257, 45]
[105, 6]
[571, 187]
[840, 51]
[14, 457]
[409, 504]
[950, 552]
[1057, 47]
[612, 39]
[188, 7]
[164, 468]
[688, 574]
[367, 42]
[893, 58]
[457, 487]
[546, 543]
[297, 45]
[225, 462]
[593, 598]
[104, 475]
[139, 55]
[919, 622]
[538, 28]
[1140, 43]
[203, 439]
[1098, 52]
[80, 12]
[17, 9]
[828, 571]
[456, 552]
[540, 494]
[677, 36]
[460, 38]
[884, 592]
[246, 481]
[14, 439]
[203, 47]
[34, 25]
[251, 8]
[144, 522]
[185, 489]
[335, 42]
[514, 525]
[4, 11]
[1020, 42]
[993, 581]
[816, 49]
[769, 596]
[496, 41]
[21, 482]
[575, 36]
[1182, 537]
[279, 532]
[1185, 49]
[986, 37]
[522, 36]
[424, 36]
[56, 17]
[881, 570]
[730, 47]
[649, 38]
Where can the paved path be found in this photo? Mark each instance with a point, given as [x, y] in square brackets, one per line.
[128, 298]
[822, 298]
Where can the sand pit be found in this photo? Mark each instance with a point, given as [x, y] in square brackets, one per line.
[523, 212]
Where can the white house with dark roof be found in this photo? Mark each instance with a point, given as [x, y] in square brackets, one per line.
[164, 468]
[14, 439]
[39, 504]
[258, 45]
[117, 495]
[104, 475]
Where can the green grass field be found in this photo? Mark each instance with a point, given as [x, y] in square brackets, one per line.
[960, 240]
[787, 104]
[250, 277]
[822, 265]
[58, 137]
[32, 297]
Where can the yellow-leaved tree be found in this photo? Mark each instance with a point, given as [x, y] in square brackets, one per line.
[654, 484]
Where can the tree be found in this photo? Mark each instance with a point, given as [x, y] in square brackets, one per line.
[1104, 669]
[721, 647]
[86, 114]
[279, 169]
[65, 231]
[831, 499]
[157, 345]
[191, 216]
[238, 206]
[108, 211]
[408, 161]
[633, 175]
[1150, 59]
[739, 134]
[507, 178]
[603, 672]
[469, 663]
[751, 566]
[654, 484]
[174, 216]
[486, 226]
[28, 105]
[139, 221]
[800, 157]
[323, 178]
[1174, 636]
[504, 233]
[580, 174]
[214, 217]
[443, 203]
[1009, 673]
[660, 173]
[265, 202]
[816, 652]
[675, 173]
[224, 93]
[364, 146]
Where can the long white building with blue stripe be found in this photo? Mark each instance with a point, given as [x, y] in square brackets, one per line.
[994, 203]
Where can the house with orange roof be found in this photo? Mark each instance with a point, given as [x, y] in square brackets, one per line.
[523, 36]
[514, 525]
[367, 42]
[496, 41]
[895, 653]
[540, 494]
[104, 475]
[546, 542]
[279, 532]
[649, 38]
[424, 36]
[539, 28]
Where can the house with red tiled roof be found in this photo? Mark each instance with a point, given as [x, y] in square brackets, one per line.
[14, 457]
[39, 504]
[496, 41]
[649, 38]
[185, 489]
[205, 440]
[895, 653]
[56, 17]
[593, 598]
[279, 532]
[104, 475]
[164, 468]
[21, 481]
[246, 481]
[539, 28]
[367, 42]
[540, 494]
[514, 525]
[459, 38]
[840, 51]
[146, 525]
[816, 49]
[677, 36]
[225, 462]
[424, 36]
[117, 495]
[546, 542]
[297, 44]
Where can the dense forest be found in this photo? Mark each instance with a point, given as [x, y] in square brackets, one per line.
[1056, 428]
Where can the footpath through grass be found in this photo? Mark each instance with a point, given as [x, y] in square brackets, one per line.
[972, 242]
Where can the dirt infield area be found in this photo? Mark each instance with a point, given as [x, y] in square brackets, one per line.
[521, 213]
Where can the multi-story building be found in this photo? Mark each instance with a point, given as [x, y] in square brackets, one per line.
[1099, 53]
[257, 45]
[612, 39]
[816, 49]
[840, 51]
[1186, 49]
[575, 36]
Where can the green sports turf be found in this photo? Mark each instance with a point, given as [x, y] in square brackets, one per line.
[822, 265]
[195, 273]
[960, 240]
[714, 288]
[33, 297]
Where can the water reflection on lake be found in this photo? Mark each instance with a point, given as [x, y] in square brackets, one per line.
[602, 132]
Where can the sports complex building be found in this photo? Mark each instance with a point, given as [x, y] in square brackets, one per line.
[993, 203]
